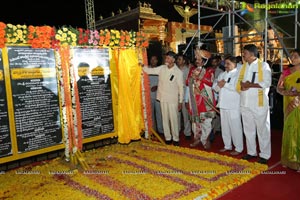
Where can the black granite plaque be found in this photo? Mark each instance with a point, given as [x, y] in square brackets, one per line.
[94, 88]
[35, 98]
[5, 140]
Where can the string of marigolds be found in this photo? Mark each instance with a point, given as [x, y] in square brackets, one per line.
[51, 37]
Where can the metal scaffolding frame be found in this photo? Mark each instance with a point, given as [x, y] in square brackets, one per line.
[89, 14]
[232, 13]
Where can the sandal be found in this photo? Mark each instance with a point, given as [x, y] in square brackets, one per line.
[195, 143]
[207, 145]
[234, 153]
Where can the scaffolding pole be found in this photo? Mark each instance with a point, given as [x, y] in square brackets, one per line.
[232, 13]
[199, 26]
[266, 32]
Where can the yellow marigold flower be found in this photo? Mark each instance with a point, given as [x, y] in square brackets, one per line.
[19, 32]
[58, 37]
[64, 44]
[74, 36]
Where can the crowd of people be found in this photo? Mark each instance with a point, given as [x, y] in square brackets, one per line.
[229, 95]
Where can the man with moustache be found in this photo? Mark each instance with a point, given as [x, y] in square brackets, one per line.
[253, 84]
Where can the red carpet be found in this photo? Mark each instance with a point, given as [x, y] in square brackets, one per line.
[269, 186]
[281, 183]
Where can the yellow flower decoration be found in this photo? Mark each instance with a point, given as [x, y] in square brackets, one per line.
[16, 34]
[68, 36]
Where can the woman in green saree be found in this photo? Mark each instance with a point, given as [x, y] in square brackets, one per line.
[289, 87]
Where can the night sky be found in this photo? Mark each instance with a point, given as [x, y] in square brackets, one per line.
[72, 12]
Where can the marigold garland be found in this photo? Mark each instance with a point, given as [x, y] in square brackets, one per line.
[49, 37]
[16, 34]
[40, 36]
[76, 110]
[147, 110]
[64, 118]
[2, 35]
[65, 57]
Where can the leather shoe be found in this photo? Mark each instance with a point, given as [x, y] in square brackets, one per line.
[247, 157]
[176, 143]
[223, 150]
[262, 160]
[188, 137]
[168, 142]
[234, 153]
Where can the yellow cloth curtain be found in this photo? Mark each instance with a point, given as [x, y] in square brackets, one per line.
[129, 103]
[114, 87]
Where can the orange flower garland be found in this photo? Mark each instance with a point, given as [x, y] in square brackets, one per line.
[40, 36]
[65, 57]
[2, 35]
[49, 37]
[76, 109]
[146, 106]
[140, 40]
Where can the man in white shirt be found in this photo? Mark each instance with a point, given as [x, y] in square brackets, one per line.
[219, 68]
[229, 104]
[182, 63]
[254, 81]
[170, 95]
[155, 105]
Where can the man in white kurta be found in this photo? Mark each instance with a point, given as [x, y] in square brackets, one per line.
[253, 83]
[170, 95]
[229, 104]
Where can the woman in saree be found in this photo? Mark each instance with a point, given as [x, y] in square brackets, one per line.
[289, 87]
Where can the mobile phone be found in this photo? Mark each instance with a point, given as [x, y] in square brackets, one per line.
[171, 78]
[228, 80]
[298, 80]
[253, 77]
